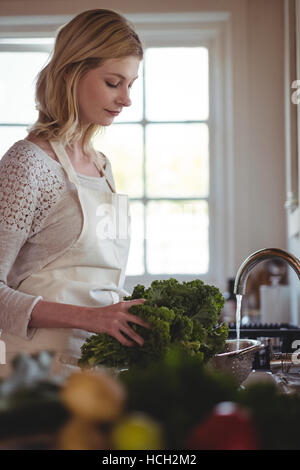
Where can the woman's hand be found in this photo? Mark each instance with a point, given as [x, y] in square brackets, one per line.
[114, 319]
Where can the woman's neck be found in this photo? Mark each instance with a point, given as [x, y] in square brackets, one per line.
[75, 150]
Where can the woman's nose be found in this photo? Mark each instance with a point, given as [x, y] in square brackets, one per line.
[124, 98]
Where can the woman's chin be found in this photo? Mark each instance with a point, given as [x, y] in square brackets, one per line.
[107, 121]
[103, 121]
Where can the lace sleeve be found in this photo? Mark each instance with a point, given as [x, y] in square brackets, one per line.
[28, 189]
[18, 193]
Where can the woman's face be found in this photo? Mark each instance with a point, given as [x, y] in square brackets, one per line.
[104, 91]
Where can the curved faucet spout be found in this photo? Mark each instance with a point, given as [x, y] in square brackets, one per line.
[257, 257]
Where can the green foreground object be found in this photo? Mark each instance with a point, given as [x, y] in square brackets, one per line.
[178, 391]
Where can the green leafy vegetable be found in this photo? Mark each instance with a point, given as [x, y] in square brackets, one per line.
[184, 314]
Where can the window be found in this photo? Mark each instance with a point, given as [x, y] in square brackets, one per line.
[160, 152]
[169, 151]
[20, 61]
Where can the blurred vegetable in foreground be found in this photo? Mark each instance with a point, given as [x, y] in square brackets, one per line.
[228, 427]
[181, 393]
[276, 415]
[178, 391]
[137, 431]
[94, 396]
[95, 400]
[174, 403]
[183, 314]
[80, 434]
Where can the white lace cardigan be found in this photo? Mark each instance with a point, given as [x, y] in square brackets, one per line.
[37, 202]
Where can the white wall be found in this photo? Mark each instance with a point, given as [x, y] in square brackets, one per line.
[258, 106]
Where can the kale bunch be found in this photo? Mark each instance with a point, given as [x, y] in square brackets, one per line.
[184, 314]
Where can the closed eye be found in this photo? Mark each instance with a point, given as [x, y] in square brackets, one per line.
[111, 85]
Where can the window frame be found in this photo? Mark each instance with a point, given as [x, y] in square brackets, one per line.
[211, 30]
[207, 29]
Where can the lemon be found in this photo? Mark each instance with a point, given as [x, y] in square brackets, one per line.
[137, 432]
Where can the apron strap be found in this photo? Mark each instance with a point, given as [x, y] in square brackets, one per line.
[64, 160]
[99, 166]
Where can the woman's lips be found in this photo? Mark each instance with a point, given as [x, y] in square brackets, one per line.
[113, 113]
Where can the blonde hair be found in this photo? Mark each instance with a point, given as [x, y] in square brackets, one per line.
[84, 43]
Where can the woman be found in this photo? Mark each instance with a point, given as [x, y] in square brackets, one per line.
[63, 250]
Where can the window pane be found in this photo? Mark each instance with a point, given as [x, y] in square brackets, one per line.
[177, 163]
[176, 83]
[123, 145]
[135, 111]
[135, 264]
[177, 237]
[9, 135]
[17, 85]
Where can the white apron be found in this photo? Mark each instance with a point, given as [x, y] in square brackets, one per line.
[91, 273]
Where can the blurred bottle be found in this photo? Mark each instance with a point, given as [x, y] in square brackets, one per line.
[229, 309]
[275, 298]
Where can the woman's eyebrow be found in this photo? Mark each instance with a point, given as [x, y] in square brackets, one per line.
[120, 76]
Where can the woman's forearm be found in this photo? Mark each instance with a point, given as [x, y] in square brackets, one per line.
[57, 315]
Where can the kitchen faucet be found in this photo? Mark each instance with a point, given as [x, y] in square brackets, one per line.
[257, 257]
